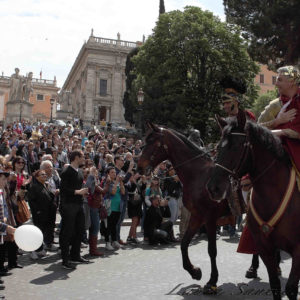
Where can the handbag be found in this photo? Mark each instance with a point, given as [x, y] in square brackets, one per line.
[107, 205]
[135, 197]
[102, 212]
[23, 214]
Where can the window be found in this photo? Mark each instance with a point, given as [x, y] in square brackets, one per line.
[40, 97]
[103, 87]
[274, 80]
[261, 78]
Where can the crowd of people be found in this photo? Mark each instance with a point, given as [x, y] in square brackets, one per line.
[90, 179]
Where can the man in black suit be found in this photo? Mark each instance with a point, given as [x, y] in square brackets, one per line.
[73, 222]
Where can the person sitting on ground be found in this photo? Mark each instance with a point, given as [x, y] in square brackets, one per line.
[155, 230]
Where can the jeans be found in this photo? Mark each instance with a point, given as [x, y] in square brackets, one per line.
[123, 207]
[162, 233]
[95, 221]
[173, 205]
[111, 230]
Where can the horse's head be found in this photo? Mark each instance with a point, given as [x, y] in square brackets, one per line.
[154, 150]
[232, 155]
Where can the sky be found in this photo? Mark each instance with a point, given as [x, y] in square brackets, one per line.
[44, 35]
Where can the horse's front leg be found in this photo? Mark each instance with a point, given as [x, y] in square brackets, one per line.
[211, 286]
[270, 262]
[194, 224]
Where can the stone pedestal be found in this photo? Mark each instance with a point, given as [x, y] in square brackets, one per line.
[17, 109]
[63, 115]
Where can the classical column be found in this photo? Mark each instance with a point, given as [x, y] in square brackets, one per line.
[90, 94]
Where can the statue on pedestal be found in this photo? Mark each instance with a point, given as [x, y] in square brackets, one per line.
[16, 84]
[27, 87]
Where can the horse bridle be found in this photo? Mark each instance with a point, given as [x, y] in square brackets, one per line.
[160, 145]
[165, 147]
[246, 147]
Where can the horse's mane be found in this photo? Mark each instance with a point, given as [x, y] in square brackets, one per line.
[267, 139]
[264, 137]
[195, 148]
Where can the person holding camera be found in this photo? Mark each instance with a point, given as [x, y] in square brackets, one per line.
[153, 189]
[113, 206]
[119, 164]
[135, 201]
[155, 230]
[172, 191]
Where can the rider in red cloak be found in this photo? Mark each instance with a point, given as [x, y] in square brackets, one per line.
[282, 116]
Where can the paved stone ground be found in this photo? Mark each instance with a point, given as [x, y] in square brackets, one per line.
[140, 272]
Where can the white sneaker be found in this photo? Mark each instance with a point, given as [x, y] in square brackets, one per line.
[116, 245]
[109, 247]
[33, 255]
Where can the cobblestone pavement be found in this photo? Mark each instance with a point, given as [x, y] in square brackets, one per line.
[140, 272]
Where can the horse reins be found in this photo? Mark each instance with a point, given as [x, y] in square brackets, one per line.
[243, 157]
[161, 144]
[246, 148]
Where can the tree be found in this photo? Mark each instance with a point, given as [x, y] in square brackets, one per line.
[181, 65]
[128, 99]
[262, 101]
[271, 28]
[161, 7]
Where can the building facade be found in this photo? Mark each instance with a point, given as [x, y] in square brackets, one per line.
[94, 88]
[42, 90]
[266, 79]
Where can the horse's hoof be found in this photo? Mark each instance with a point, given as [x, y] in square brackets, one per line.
[251, 273]
[210, 289]
[196, 273]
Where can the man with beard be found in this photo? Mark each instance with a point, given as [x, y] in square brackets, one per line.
[73, 222]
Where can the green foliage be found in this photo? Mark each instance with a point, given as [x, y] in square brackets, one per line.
[128, 100]
[271, 27]
[262, 101]
[181, 65]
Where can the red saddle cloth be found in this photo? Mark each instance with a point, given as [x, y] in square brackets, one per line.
[247, 244]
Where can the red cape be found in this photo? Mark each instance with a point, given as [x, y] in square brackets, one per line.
[292, 146]
[247, 244]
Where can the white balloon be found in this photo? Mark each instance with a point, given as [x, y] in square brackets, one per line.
[28, 237]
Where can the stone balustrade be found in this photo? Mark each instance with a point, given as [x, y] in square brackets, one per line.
[35, 81]
[4, 79]
[44, 82]
[111, 42]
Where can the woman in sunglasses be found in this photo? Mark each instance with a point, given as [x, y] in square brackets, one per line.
[18, 165]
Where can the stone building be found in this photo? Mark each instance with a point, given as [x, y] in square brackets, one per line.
[266, 79]
[94, 88]
[34, 103]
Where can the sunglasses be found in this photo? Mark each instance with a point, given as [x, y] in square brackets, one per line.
[21, 162]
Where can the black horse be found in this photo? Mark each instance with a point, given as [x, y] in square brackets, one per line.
[193, 166]
[249, 148]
